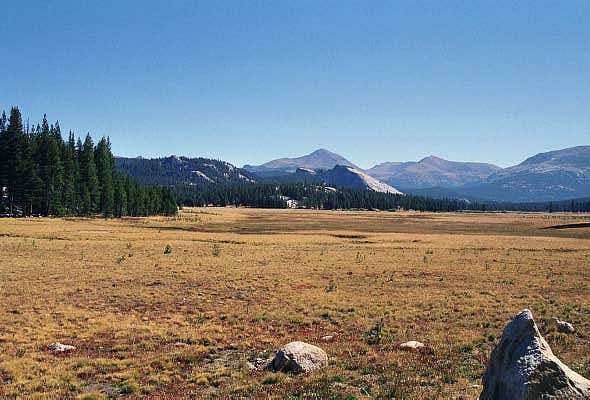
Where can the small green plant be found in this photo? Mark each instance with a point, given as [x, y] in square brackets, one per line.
[120, 259]
[167, 249]
[331, 285]
[375, 334]
[216, 250]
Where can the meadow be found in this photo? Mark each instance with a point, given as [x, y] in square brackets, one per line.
[175, 307]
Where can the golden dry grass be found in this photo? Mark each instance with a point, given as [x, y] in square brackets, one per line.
[239, 283]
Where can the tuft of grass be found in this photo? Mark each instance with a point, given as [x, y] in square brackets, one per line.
[331, 285]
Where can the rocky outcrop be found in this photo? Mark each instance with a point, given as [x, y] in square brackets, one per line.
[523, 367]
[300, 357]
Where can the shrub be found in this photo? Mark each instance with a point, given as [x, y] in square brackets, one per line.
[375, 334]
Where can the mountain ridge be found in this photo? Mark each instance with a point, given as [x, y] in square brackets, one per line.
[553, 175]
[318, 159]
[431, 171]
[174, 170]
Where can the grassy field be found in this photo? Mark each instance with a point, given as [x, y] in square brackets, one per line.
[236, 284]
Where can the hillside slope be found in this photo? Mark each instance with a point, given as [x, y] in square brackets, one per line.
[175, 170]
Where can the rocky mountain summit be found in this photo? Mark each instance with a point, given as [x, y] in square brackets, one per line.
[319, 159]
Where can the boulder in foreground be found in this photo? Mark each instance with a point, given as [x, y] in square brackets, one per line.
[300, 357]
[523, 367]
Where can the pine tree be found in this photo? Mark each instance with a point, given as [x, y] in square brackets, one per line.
[104, 169]
[71, 178]
[14, 140]
[120, 197]
[89, 178]
[3, 160]
[55, 172]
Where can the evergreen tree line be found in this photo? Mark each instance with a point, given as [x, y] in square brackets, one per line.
[308, 196]
[573, 205]
[41, 174]
[320, 197]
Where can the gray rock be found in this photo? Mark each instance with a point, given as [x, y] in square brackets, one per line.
[57, 347]
[554, 324]
[411, 345]
[523, 367]
[258, 363]
[300, 357]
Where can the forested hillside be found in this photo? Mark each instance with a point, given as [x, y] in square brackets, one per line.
[41, 174]
[175, 170]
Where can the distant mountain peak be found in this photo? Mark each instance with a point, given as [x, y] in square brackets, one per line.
[554, 175]
[318, 159]
[431, 158]
[431, 171]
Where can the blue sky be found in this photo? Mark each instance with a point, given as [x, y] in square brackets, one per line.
[249, 81]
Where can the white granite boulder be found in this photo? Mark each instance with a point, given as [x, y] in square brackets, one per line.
[523, 367]
[58, 347]
[411, 345]
[300, 357]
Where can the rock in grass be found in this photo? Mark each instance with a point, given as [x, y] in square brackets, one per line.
[411, 345]
[57, 347]
[258, 363]
[300, 357]
[105, 389]
[554, 324]
[523, 367]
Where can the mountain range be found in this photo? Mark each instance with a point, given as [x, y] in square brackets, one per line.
[555, 175]
[432, 172]
[551, 176]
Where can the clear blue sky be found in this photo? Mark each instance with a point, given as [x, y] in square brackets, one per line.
[249, 81]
